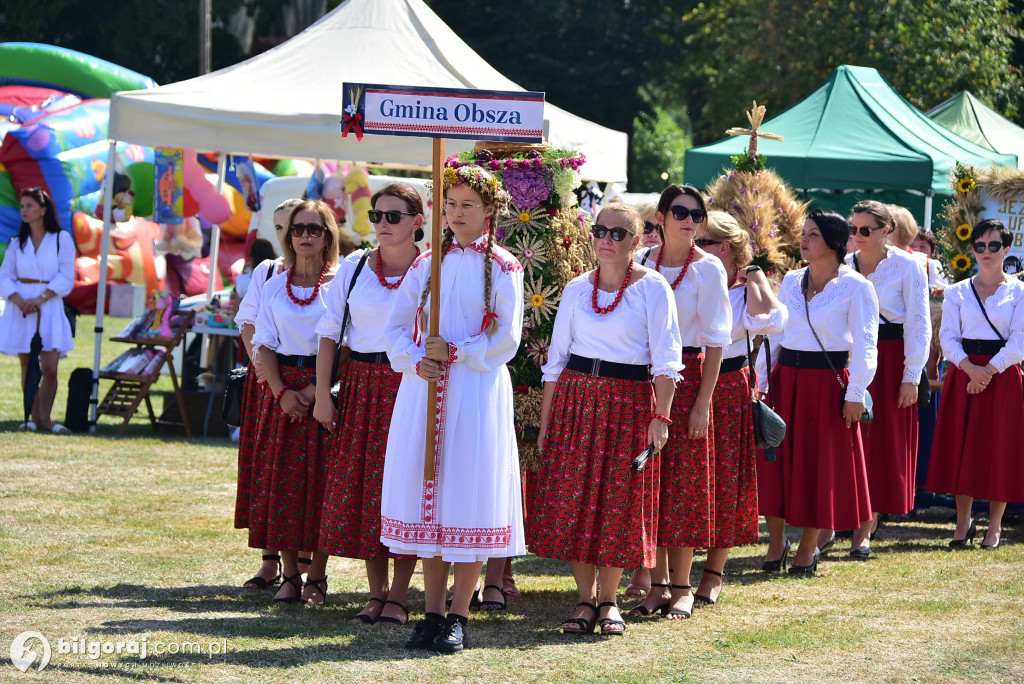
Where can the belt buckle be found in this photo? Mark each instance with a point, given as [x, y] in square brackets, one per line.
[595, 368]
[378, 358]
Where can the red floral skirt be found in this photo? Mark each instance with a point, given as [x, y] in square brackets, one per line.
[350, 524]
[287, 476]
[735, 471]
[976, 451]
[823, 480]
[588, 505]
[686, 515]
[890, 440]
[252, 402]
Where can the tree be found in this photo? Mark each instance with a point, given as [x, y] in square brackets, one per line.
[658, 149]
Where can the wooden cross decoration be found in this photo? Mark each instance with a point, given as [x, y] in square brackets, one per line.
[755, 116]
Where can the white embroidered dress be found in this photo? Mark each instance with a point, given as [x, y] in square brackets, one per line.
[472, 508]
[55, 267]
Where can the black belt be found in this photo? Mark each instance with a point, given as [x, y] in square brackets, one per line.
[810, 359]
[370, 357]
[733, 364]
[692, 350]
[983, 347]
[890, 331]
[608, 369]
[296, 361]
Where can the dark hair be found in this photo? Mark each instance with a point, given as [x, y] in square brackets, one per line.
[260, 250]
[669, 195]
[933, 243]
[987, 225]
[406, 193]
[50, 223]
[835, 231]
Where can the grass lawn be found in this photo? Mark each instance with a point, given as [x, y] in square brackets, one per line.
[115, 539]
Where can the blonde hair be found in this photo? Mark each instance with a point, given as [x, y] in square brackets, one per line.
[877, 210]
[646, 210]
[904, 227]
[723, 227]
[633, 220]
[331, 233]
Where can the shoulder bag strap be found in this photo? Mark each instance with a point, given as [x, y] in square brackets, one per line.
[856, 267]
[345, 317]
[768, 360]
[647, 255]
[985, 313]
[807, 310]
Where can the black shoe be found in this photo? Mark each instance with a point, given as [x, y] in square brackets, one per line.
[827, 546]
[258, 582]
[426, 631]
[806, 570]
[452, 637]
[969, 539]
[860, 554]
[778, 565]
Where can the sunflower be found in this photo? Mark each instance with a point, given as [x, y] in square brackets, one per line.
[529, 250]
[960, 262]
[963, 231]
[541, 301]
[519, 220]
[965, 185]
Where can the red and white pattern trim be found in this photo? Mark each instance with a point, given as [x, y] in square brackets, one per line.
[428, 501]
[453, 353]
[445, 537]
[420, 259]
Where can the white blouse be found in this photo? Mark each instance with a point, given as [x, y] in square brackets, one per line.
[743, 323]
[462, 310]
[962, 318]
[249, 307]
[642, 330]
[702, 300]
[845, 316]
[902, 292]
[369, 307]
[285, 327]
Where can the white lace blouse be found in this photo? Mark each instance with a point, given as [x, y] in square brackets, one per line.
[902, 291]
[249, 307]
[962, 319]
[282, 325]
[641, 330]
[369, 307]
[743, 323]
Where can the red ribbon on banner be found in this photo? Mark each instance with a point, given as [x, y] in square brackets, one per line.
[352, 123]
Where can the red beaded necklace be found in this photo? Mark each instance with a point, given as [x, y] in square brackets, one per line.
[735, 277]
[316, 288]
[618, 297]
[380, 272]
[679, 279]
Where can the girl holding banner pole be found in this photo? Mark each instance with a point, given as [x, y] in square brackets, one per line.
[468, 508]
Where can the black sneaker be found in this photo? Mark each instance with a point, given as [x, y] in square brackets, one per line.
[452, 637]
[425, 631]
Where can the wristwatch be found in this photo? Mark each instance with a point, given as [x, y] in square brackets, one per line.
[751, 269]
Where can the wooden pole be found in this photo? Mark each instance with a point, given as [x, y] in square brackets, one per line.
[435, 299]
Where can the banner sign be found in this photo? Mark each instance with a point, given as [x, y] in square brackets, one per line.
[1009, 210]
[508, 116]
[169, 199]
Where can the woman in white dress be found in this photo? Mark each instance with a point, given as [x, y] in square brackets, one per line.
[38, 271]
[469, 508]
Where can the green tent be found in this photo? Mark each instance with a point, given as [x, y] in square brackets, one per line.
[970, 118]
[855, 138]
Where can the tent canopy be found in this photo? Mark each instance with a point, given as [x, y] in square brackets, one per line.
[853, 132]
[287, 101]
[970, 118]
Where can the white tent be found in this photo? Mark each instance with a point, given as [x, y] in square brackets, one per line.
[287, 102]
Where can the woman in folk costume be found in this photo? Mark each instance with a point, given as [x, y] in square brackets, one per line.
[38, 271]
[366, 287]
[469, 508]
[755, 311]
[615, 328]
[904, 334]
[288, 467]
[976, 452]
[687, 500]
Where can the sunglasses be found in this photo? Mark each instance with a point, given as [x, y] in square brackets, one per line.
[704, 242]
[680, 213]
[601, 232]
[863, 230]
[393, 216]
[650, 227]
[994, 246]
[313, 230]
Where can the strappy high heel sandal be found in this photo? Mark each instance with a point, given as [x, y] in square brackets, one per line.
[585, 626]
[677, 612]
[495, 605]
[644, 611]
[608, 623]
[369, 619]
[258, 582]
[700, 599]
[296, 581]
[321, 590]
[391, 620]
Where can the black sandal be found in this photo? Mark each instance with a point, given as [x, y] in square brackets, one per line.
[666, 611]
[391, 620]
[369, 619]
[495, 605]
[585, 626]
[258, 582]
[643, 611]
[323, 591]
[473, 602]
[611, 622]
[296, 581]
[699, 599]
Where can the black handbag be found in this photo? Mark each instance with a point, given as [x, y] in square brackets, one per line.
[769, 427]
[342, 352]
[869, 403]
[234, 388]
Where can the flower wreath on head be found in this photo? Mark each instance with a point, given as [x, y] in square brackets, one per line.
[482, 182]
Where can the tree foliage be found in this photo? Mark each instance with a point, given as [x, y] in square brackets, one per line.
[658, 148]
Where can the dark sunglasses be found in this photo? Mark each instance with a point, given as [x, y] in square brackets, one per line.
[679, 213]
[313, 230]
[600, 232]
[704, 242]
[994, 246]
[393, 216]
[863, 230]
[650, 227]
